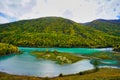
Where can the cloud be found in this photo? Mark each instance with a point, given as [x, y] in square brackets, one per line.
[77, 10]
[45, 1]
[6, 18]
[3, 20]
[2, 15]
[68, 14]
[14, 9]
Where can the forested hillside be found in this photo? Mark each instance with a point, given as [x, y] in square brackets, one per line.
[111, 27]
[54, 32]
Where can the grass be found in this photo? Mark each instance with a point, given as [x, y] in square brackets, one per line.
[117, 55]
[103, 55]
[59, 57]
[102, 74]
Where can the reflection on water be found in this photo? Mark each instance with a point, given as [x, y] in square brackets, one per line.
[26, 64]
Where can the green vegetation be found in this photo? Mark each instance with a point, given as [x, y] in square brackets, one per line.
[54, 32]
[60, 32]
[117, 49]
[96, 64]
[102, 74]
[60, 57]
[104, 56]
[117, 56]
[7, 49]
[111, 27]
[101, 55]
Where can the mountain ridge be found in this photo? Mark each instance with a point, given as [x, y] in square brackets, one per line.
[54, 32]
[111, 27]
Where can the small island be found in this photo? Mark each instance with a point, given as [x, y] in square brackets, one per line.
[59, 57]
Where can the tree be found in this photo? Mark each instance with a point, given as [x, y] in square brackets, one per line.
[96, 64]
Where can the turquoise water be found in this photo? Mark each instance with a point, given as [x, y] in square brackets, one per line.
[109, 61]
[26, 64]
[69, 50]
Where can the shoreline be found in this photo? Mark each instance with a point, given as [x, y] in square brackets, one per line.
[64, 77]
[55, 76]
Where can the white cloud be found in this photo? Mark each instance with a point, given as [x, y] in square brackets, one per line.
[77, 10]
[16, 8]
[68, 14]
[3, 20]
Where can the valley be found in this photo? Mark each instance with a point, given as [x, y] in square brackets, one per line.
[58, 48]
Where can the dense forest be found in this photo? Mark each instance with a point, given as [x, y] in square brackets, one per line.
[112, 27]
[7, 49]
[54, 32]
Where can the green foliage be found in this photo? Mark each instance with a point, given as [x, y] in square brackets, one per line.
[117, 56]
[54, 32]
[7, 49]
[111, 27]
[81, 73]
[101, 55]
[61, 58]
[104, 56]
[46, 78]
[96, 64]
[61, 75]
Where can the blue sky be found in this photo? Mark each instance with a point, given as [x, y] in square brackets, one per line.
[76, 10]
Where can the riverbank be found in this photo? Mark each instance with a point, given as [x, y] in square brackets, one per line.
[6, 49]
[101, 74]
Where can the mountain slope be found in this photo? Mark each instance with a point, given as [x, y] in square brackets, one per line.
[54, 32]
[111, 27]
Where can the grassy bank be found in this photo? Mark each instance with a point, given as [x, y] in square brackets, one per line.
[105, 55]
[59, 57]
[102, 74]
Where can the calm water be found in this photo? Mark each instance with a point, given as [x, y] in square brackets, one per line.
[70, 50]
[26, 64]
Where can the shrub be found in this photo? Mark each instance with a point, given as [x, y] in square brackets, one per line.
[60, 75]
[95, 64]
[81, 73]
[46, 78]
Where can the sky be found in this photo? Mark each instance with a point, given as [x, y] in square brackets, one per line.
[77, 10]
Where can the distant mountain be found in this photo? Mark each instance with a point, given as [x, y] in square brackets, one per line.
[54, 32]
[111, 27]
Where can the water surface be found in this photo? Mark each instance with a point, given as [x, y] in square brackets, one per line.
[27, 64]
[69, 50]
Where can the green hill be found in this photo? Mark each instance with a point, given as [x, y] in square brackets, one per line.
[54, 32]
[111, 27]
